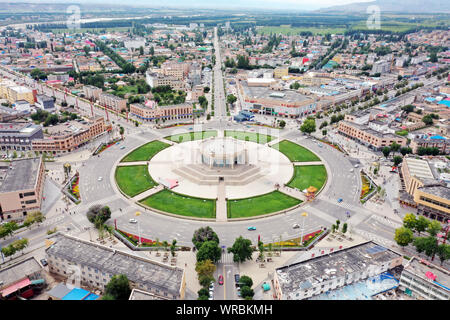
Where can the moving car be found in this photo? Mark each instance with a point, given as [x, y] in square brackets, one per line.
[295, 226]
[44, 262]
[99, 179]
[251, 228]
[340, 200]
[133, 221]
[122, 147]
[221, 279]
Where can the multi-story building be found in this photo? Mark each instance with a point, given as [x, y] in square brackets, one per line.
[264, 100]
[45, 102]
[381, 66]
[13, 93]
[157, 79]
[94, 265]
[21, 186]
[280, 72]
[9, 114]
[425, 281]
[176, 70]
[70, 135]
[430, 196]
[92, 92]
[333, 270]
[369, 137]
[17, 279]
[19, 136]
[431, 142]
[151, 111]
[112, 102]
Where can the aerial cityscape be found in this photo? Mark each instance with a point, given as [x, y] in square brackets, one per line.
[211, 150]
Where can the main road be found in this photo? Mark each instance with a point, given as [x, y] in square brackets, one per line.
[220, 109]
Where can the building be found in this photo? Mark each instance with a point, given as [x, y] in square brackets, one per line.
[264, 100]
[112, 102]
[333, 270]
[151, 111]
[21, 187]
[18, 278]
[134, 44]
[369, 137]
[423, 190]
[68, 136]
[62, 292]
[381, 66]
[425, 281]
[22, 106]
[157, 79]
[94, 265]
[19, 136]
[12, 92]
[91, 92]
[280, 72]
[9, 114]
[436, 141]
[45, 102]
[137, 294]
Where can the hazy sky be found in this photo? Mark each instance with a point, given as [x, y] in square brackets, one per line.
[230, 4]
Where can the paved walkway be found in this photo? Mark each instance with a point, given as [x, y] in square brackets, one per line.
[292, 192]
[308, 163]
[148, 193]
[135, 163]
[221, 205]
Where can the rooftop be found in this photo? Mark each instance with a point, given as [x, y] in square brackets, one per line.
[420, 267]
[267, 93]
[17, 272]
[419, 168]
[138, 270]
[437, 190]
[137, 294]
[309, 273]
[19, 174]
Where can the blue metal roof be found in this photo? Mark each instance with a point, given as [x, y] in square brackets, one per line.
[76, 294]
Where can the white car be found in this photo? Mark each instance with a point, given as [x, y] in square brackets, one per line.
[99, 179]
[356, 166]
[133, 221]
[295, 226]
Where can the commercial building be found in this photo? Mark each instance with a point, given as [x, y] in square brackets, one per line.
[68, 136]
[264, 100]
[19, 136]
[157, 79]
[333, 270]
[21, 187]
[371, 138]
[425, 281]
[280, 72]
[112, 102]
[424, 191]
[18, 278]
[151, 111]
[94, 265]
[12, 92]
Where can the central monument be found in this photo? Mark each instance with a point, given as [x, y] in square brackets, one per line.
[223, 152]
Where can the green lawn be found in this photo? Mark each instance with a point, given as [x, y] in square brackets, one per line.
[288, 30]
[133, 180]
[306, 176]
[249, 136]
[263, 204]
[191, 136]
[146, 152]
[294, 152]
[172, 202]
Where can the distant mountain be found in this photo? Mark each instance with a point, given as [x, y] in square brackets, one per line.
[404, 6]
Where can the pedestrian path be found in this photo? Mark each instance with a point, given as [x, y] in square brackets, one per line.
[221, 204]
[386, 221]
[226, 258]
[374, 237]
[309, 163]
[147, 193]
[134, 163]
[292, 192]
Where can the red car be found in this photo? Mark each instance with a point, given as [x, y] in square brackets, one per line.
[220, 279]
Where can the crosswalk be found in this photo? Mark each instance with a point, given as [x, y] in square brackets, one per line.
[374, 237]
[227, 258]
[386, 221]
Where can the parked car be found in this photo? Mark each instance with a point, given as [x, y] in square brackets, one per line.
[295, 226]
[251, 228]
[236, 279]
[340, 200]
[221, 279]
[211, 286]
[133, 221]
[44, 262]
[99, 179]
[122, 147]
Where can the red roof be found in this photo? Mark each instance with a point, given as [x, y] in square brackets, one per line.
[19, 285]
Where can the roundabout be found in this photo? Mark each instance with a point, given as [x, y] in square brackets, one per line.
[220, 176]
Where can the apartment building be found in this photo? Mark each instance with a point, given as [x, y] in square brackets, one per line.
[423, 280]
[280, 72]
[92, 92]
[12, 92]
[381, 66]
[176, 70]
[151, 111]
[19, 135]
[45, 102]
[70, 135]
[21, 186]
[112, 102]
[369, 137]
[439, 142]
[157, 79]
[333, 270]
[94, 265]
[429, 195]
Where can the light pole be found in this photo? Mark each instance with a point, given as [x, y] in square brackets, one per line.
[137, 214]
[304, 215]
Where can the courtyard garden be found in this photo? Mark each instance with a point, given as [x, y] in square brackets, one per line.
[267, 203]
[133, 180]
[145, 152]
[169, 201]
[295, 152]
[306, 176]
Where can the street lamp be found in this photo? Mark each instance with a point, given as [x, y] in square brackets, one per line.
[137, 214]
[304, 215]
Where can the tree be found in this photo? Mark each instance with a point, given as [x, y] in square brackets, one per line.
[386, 151]
[344, 228]
[246, 281]
[204, 234]
[241, 250]
[308, 126]
[206, 89]
[209, 250]
[282, 124]
[428, 245]
[231, 99]
[118, 287]
[405, 150]
[205, 268]
[247, 292]
[434, 227]
[443, 252]
[98, 214]
[324, 132]
[433, 57]
[428, 120]
[403, 236]
[173, 247]
[202, 293]
[121, 131]
[205, 281]
[397, 160]
[395, 147]
[421, 224]
[410, 221]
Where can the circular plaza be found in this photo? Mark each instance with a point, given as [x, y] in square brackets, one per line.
[220, 175]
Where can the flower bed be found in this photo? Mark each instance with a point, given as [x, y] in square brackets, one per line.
[135, 239]
[331, 145]
[295, 243]
[74, 188]
[104, 146]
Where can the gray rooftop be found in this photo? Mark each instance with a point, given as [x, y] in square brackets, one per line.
[142, 271]
[267, 93]
[19, 271]
[59, 291]
[137, 294]
[419, 267]
[437, 190]
[311, 272]
[21, 175]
